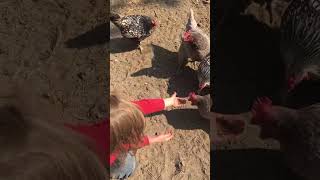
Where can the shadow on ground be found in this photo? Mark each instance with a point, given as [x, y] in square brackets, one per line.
[115, 4]
[171, 3]
[249, 164]
[187, 119]
[120, 45]
[164, 65]
[97, 36]
[249, 65]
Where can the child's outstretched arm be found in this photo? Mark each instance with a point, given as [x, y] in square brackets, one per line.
[148, 106]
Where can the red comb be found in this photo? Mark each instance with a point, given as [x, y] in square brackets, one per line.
[193, 98]
[187, 36]
[291, 83]
[154, 22]
[260, 108]
[201, 86]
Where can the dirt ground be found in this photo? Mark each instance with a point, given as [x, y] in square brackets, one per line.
[43, 43]
[152, 75]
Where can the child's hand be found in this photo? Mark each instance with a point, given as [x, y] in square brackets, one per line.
[174, 101]
[161, 137]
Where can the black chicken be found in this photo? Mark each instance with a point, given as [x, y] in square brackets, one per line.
[300, 40]
[135, 27]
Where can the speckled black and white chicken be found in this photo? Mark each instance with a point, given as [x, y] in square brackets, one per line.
[135, 27]
[300, 41]
[195, 44]
[204, 73]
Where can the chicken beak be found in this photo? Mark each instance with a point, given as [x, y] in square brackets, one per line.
[295, 80]
[192, 98]
[291, 84]
[307, 76]
[154, 23]
[201, 87]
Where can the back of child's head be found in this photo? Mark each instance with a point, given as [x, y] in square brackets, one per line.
[126, 123]
[33, 149]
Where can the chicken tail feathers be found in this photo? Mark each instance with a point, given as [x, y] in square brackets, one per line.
[191, 21]
[114, 17]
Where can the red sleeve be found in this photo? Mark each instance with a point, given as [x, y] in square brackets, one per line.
[149, 106]
[98, 133]
[114, 155]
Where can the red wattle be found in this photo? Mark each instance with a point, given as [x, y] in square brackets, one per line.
[186, 36]
[192, 97]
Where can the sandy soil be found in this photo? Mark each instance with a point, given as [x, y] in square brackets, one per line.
[152, 75]
[42, 42]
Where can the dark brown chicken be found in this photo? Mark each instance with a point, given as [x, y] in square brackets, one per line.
[135, 27]
[300, 37]
[195, 44]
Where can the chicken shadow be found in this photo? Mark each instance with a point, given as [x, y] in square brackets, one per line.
[164, 65]
[172, 3]
[250, 164]
[115, 4]
[186, 119]
[120, 45]
[97, 36]
[249, 65]
[183, 83]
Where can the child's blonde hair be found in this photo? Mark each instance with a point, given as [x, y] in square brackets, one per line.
[35, 149]
[126, 123]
